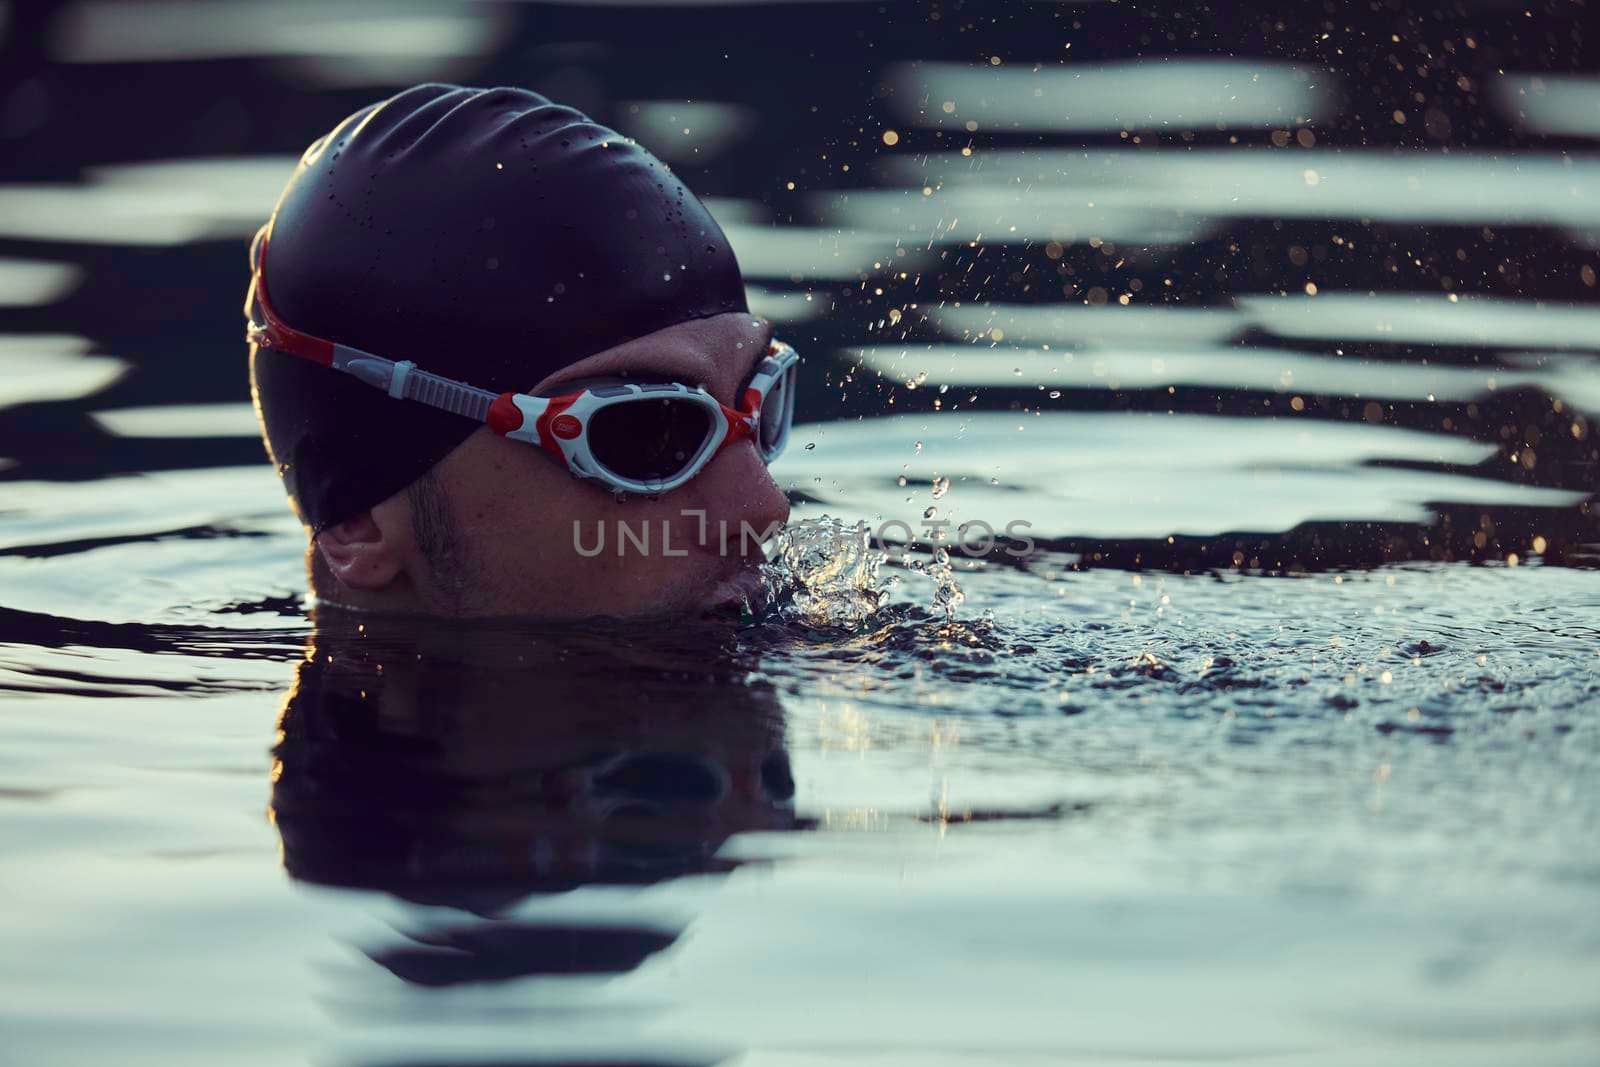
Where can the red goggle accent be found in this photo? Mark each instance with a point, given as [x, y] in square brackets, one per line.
[504, 415]
[545, 426]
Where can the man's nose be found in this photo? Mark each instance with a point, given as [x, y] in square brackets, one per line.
[742, 488]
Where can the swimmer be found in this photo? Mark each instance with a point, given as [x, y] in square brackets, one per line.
[486, 331]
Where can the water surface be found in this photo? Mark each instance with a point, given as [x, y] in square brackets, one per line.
[1276, 743]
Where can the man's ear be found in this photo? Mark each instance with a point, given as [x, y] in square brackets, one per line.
[358, 553]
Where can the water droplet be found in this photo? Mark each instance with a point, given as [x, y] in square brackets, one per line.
[941, 486]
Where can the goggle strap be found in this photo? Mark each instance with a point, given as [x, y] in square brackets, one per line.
[448, 394]
[404, 381]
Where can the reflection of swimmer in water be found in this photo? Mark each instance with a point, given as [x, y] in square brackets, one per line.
[424, 763]
[476, 767]
[539, 297]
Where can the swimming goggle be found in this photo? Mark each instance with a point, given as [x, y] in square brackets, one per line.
[637, 437]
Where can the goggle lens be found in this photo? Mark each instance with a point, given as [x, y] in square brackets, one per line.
[777, 412]
[649, 440]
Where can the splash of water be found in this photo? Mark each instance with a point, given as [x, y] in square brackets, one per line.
[822, 572]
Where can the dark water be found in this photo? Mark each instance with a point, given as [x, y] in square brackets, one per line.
[1281, 745]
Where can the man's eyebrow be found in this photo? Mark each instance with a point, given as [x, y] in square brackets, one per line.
[691, 365]
[759, 351]
[686, 370]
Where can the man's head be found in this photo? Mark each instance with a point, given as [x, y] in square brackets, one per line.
[495, 238]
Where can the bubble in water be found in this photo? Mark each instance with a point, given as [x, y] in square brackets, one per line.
[919, 448]
[901, 481]
[941, 486]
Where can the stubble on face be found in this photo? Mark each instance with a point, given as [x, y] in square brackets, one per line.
[438, 538]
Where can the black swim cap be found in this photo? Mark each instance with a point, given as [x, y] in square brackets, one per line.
[488, 235]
